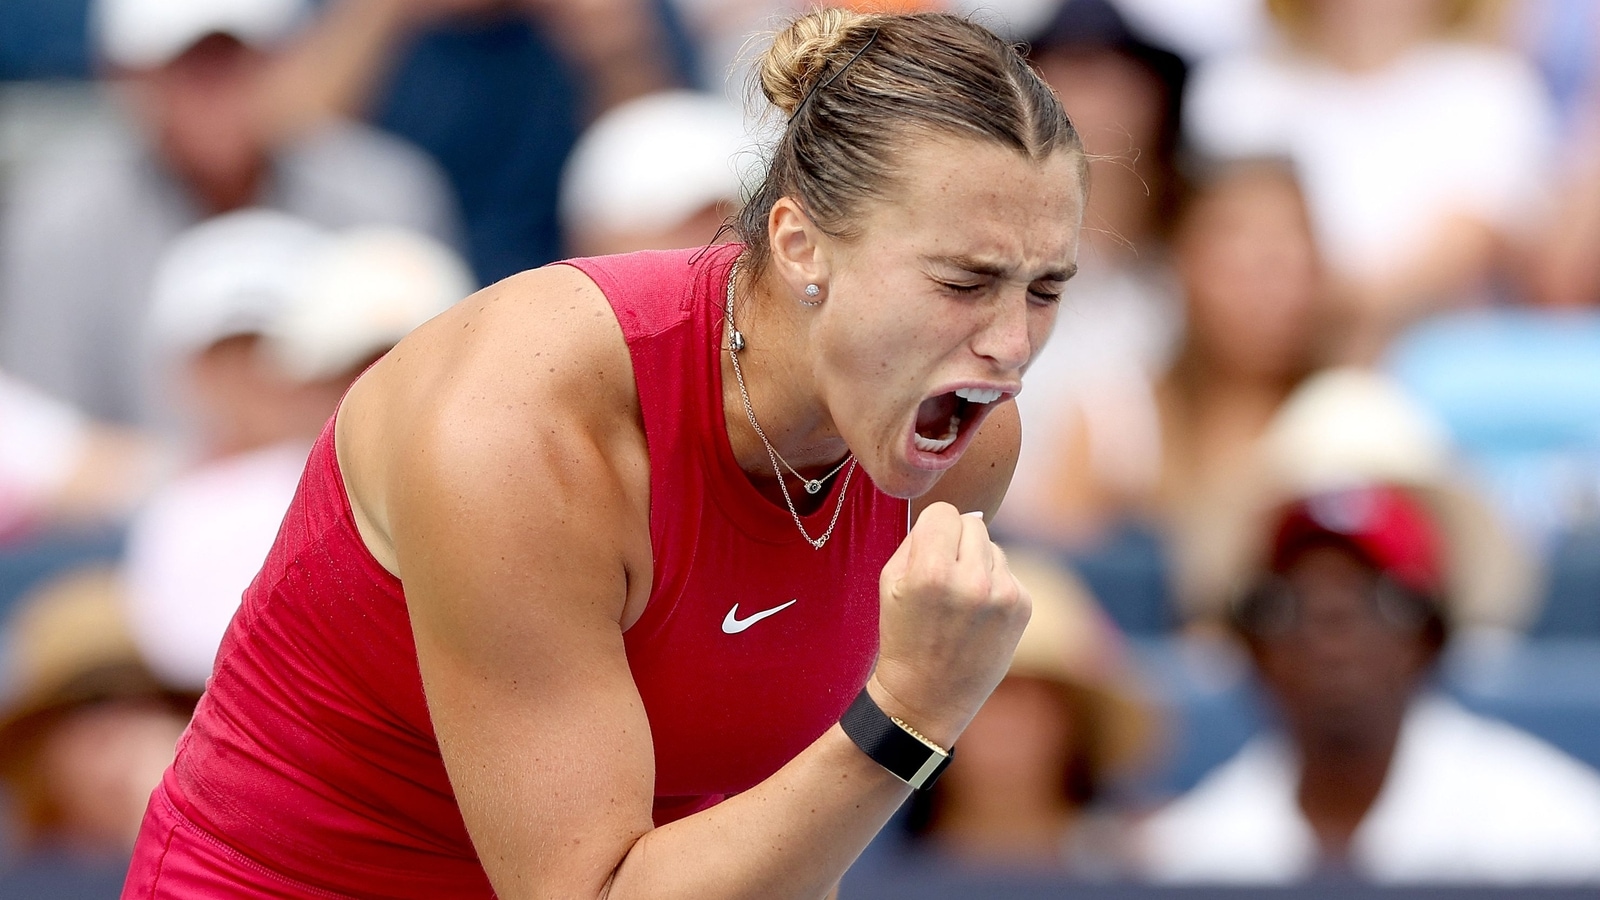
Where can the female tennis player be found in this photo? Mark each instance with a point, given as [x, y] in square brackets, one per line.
[600, 584]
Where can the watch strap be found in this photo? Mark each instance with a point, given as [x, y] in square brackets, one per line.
[894, 745]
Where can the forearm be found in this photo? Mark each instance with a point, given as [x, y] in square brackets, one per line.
[550, 753]
[616, 43]
[334, 68]
[791, 836]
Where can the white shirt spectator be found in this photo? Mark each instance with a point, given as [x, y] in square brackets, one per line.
[1116, 333]
[1199, 29]
[323, 306]
[1467, 799]
[1449, 128]
[85, 227]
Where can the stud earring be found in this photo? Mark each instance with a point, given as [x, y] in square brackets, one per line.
[813, 292]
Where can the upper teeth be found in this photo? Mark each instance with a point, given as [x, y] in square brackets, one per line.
[978, 395]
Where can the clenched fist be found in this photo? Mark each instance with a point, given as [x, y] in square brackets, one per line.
[950, 615]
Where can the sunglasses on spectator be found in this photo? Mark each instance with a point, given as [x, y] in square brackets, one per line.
[1274, 608]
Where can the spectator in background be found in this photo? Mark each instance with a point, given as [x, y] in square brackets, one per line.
[1376, 776]
[1347, 427]
[496, 90]
[59, 469]
[265, 320]
[1171, 452]
[217, 289]
[1200, 29]
[722, 32]
[1121, 316]
[1566, 262]
[660, 172]
[85, 730]
[1561, 39]
[1029, 789]
[1420, 152]
[83, 230]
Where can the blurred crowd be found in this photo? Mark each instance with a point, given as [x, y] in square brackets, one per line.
[1309, 503]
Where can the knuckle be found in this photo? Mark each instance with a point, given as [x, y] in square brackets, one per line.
[1007, 591]
[1023, 607]
[920, 581]
[934, 512]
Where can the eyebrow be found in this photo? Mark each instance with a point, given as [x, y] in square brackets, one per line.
[982, 267]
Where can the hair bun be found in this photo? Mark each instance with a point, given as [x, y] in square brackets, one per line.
[800, 53]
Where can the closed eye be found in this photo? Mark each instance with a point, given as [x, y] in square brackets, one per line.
[961, 288]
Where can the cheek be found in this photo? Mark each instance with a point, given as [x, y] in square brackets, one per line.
[1041, 325]
[888, 336]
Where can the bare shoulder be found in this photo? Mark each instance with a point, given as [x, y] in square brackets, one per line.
[518, 404]
[980, 479]
[498, 458]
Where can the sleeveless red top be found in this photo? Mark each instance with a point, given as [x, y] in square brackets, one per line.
[311, 768]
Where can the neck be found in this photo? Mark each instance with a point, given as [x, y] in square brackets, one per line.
[223, 194]
[1216, 412]
[779, 388]
[1340, 780]
[1222, 386]
[1366, 42]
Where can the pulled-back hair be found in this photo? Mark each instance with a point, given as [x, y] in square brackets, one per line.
[854, 86]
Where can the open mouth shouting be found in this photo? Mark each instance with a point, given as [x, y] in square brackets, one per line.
[946, 423]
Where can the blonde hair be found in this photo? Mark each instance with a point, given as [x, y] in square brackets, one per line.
[853, 86]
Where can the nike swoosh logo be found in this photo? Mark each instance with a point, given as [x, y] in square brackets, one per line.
[732, 624]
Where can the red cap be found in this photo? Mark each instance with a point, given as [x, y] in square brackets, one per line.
[1385, 524]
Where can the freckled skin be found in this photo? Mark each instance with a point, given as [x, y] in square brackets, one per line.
[442, 476]
[889, 333]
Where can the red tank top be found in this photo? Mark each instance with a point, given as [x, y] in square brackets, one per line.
[312, 762]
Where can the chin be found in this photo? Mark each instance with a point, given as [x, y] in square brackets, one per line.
[907, 482]
[904, 482]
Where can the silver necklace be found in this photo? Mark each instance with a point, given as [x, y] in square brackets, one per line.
[813, 485]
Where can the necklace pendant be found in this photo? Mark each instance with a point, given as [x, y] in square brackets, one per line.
[813, 487]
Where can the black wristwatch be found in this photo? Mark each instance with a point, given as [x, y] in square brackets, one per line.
[893, 744]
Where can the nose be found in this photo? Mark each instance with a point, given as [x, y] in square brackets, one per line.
[1006, 339]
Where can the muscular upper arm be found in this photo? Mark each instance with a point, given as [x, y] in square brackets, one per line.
[513, 524]
[980, 479]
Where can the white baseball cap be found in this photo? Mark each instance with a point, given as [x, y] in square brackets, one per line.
[654, 162]
[363, 291]
[145, 34]
[228, 276]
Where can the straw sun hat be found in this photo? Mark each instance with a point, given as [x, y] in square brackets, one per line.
[1069, 641]
[68, 646]
[1349, 428]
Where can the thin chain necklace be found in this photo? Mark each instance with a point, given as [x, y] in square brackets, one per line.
[813, 485]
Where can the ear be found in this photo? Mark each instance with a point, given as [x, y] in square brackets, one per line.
[801, 252]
